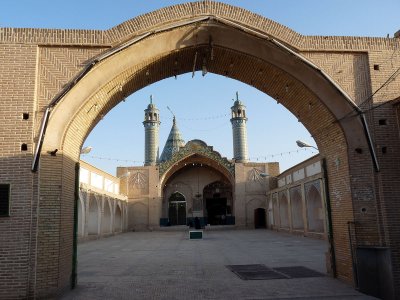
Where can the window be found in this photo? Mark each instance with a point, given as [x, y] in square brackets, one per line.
[4, 200]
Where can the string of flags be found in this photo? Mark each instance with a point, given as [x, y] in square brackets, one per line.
[258, 158]
[115, 159]
[204, 118]
[277, 155]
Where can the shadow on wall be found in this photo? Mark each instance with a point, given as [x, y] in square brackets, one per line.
[18, 219]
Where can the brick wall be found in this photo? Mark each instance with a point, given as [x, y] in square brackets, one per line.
[17, 242]
[36, 63]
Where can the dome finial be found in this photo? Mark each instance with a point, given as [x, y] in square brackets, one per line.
[237, 101]
[151, 99]
[171, 113]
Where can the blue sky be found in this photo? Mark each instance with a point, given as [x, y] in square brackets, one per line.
[202, 104]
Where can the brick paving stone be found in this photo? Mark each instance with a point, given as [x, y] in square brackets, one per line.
[167, 265]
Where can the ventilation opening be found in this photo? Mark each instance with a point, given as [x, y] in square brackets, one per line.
[4, 200]
[384, 150]
[376, 67]
[382, 122]
[24, 147]
[25, 116]
[359, 150]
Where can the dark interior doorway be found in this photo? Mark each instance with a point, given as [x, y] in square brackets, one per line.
[177, 209]
[216, 211]
[259, 218]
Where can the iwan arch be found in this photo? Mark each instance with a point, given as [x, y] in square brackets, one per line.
[65, 81]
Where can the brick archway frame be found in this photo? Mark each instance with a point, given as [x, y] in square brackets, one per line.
[230, 49]
[293, 69]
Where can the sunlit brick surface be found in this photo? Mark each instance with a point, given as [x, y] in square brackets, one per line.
[36, 64]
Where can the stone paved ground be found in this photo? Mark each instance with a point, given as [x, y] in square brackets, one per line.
[167, 265]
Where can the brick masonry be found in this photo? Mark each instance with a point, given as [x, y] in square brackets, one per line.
[35, 64]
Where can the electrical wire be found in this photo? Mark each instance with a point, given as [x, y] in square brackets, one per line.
[265, 157]
[255, 158]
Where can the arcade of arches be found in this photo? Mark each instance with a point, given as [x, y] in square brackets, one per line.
[101, 209]
[56, 85]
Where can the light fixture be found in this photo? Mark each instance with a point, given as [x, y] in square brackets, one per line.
[302, 144]
[204, 70]
[211, 45]
[52, 153]
[86, 150]
[194, 64]
[264, 175]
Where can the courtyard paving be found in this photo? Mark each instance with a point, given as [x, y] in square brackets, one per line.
[167, 265]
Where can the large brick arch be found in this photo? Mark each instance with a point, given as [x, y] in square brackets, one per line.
[323, 81]
[240, 53]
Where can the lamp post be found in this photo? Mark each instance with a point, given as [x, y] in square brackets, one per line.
[302, 144]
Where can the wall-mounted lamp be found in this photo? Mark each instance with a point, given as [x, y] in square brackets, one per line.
[53, 153]
[204, 70]
[264, 175]
[302, 144]
[86, 150]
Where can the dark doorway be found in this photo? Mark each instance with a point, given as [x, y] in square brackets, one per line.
[177, 209]
[259, 218]
[216, 211]
[218, 203]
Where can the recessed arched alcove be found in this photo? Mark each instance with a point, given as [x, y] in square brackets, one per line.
[118, 225]
[94, 215]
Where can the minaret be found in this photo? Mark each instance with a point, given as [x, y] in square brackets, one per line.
[239, 131]
[151, 126]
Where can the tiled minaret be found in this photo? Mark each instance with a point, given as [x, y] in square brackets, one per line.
[239, 131]
[151, 127]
